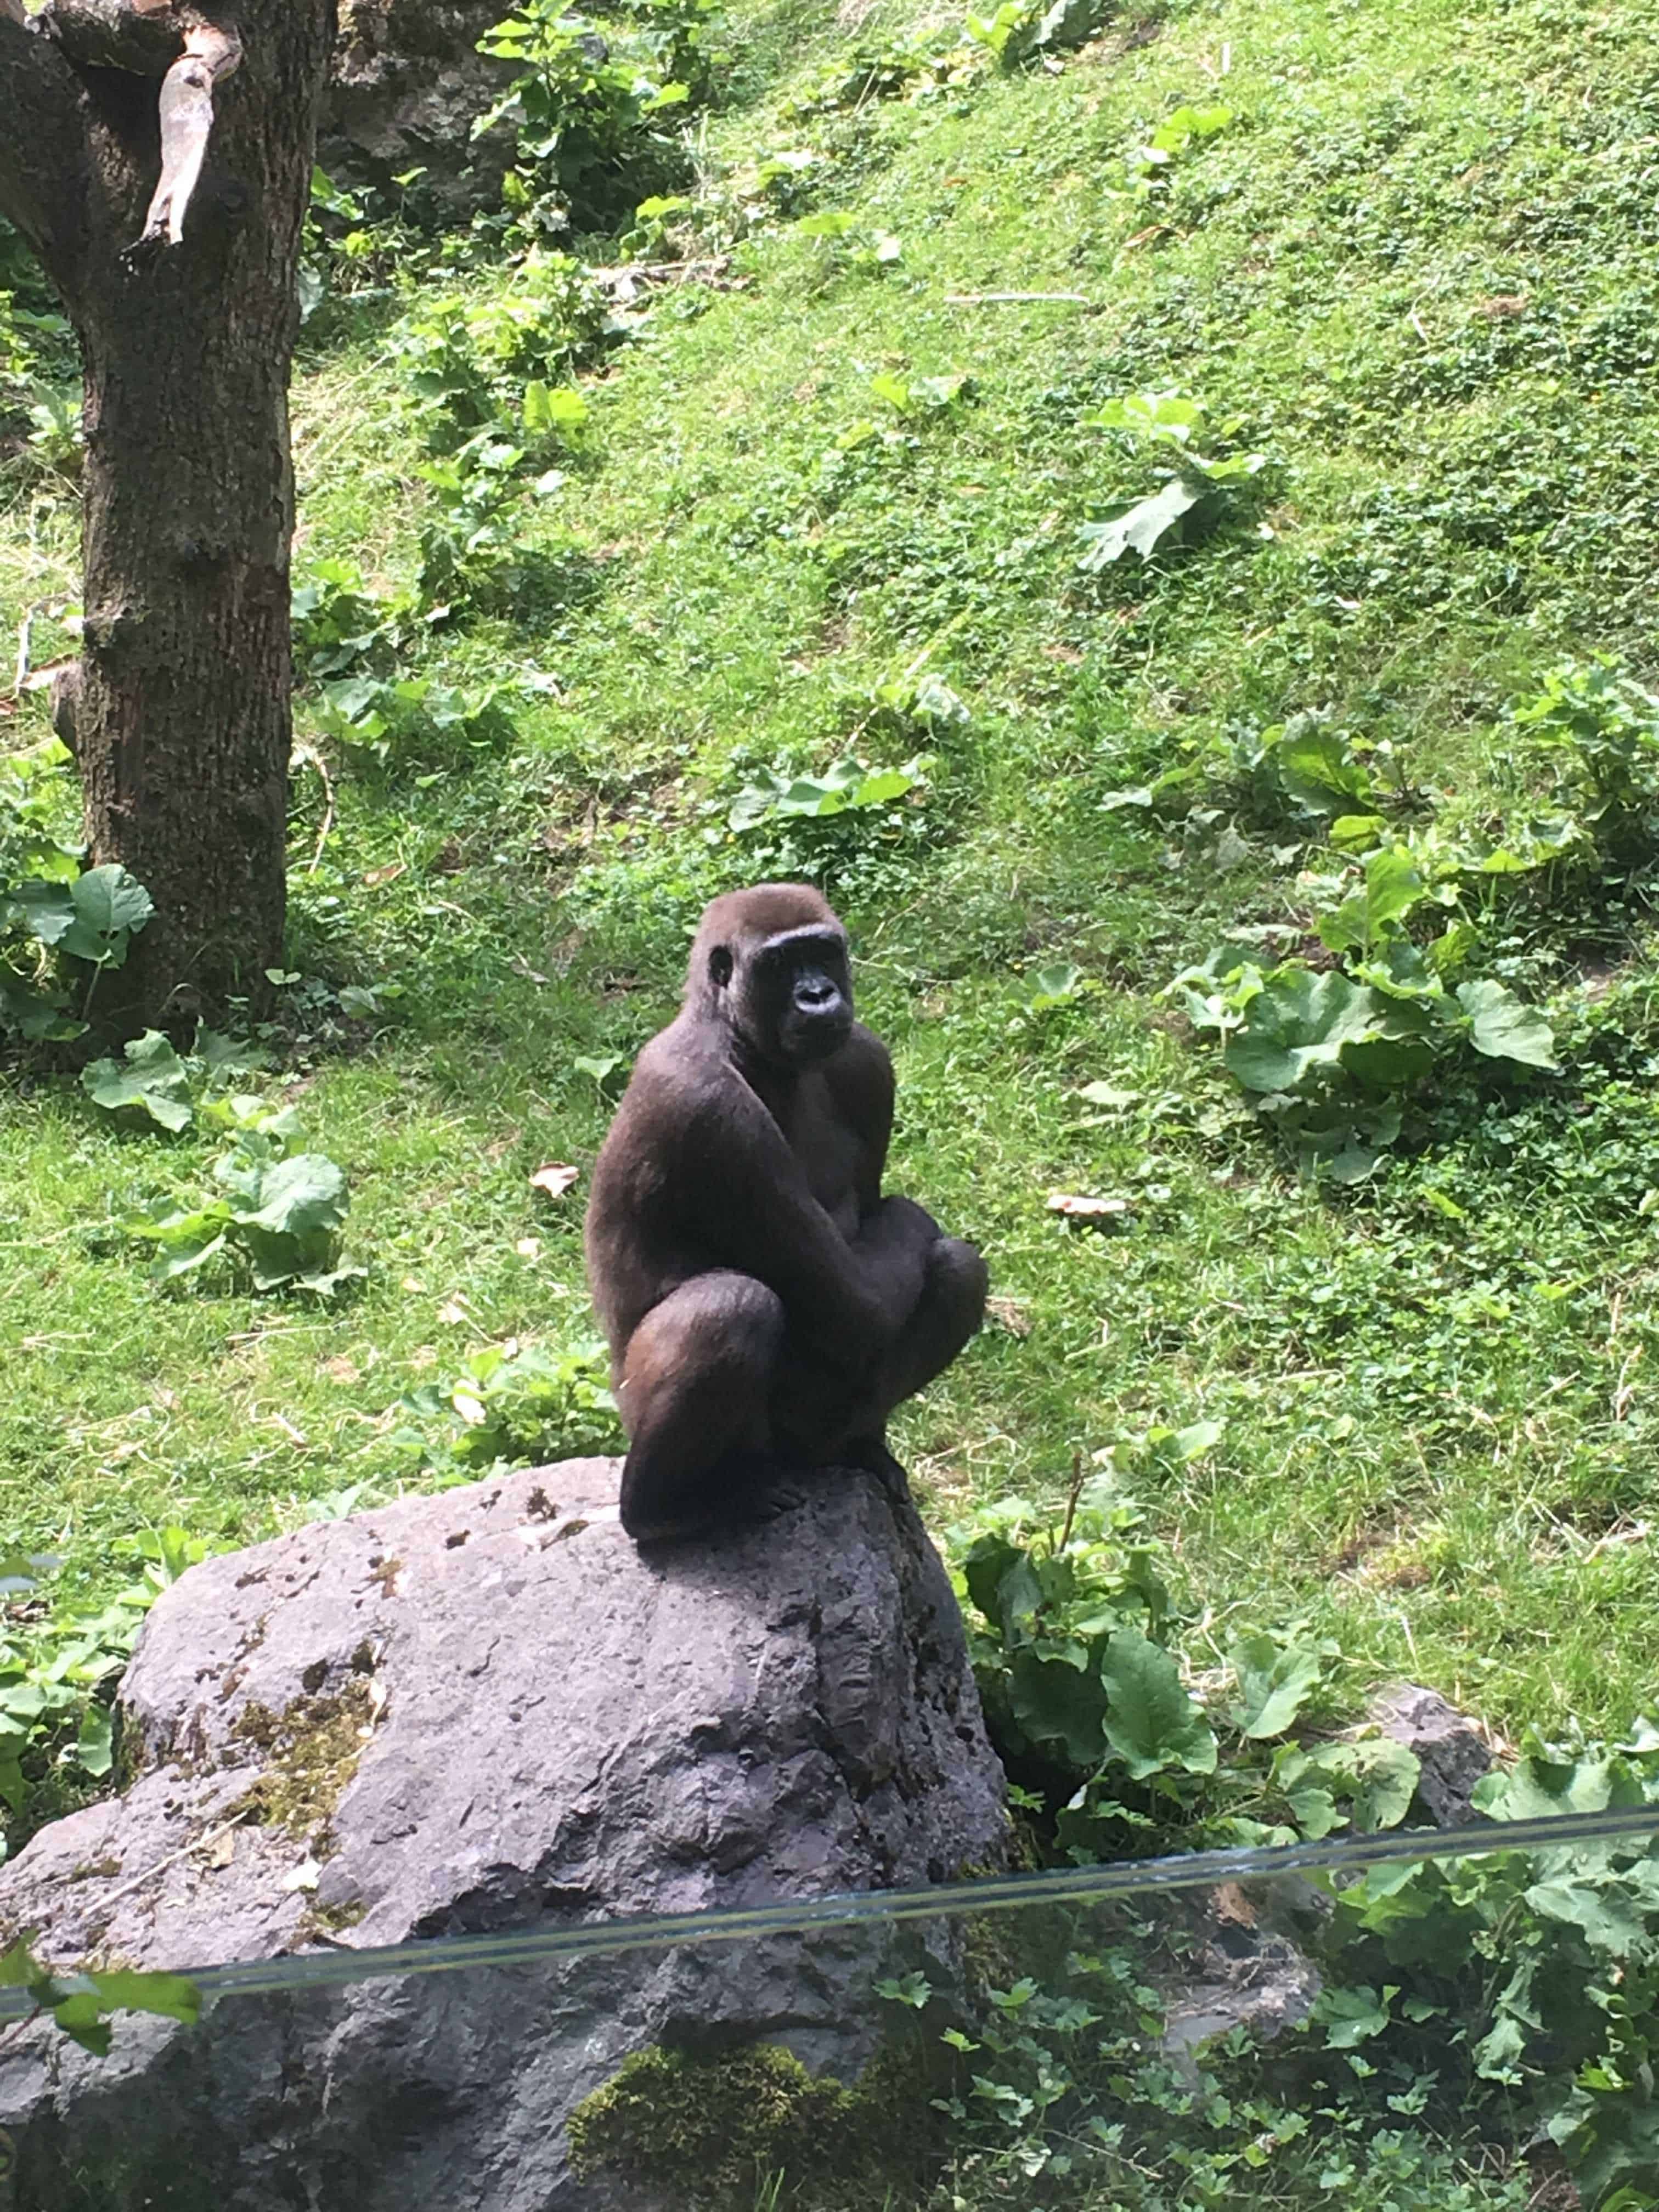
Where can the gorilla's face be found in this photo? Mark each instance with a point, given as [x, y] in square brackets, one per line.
[788, 997]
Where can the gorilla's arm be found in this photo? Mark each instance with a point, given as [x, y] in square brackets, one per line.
[894, 1237]
[752, 1210]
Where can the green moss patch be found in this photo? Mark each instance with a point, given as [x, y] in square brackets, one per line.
[717, 2131]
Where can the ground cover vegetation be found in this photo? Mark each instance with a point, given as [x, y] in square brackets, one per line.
[1155, 515]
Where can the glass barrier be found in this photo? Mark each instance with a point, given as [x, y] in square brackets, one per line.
[1443, 2021]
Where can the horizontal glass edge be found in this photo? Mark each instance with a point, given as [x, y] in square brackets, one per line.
[340, 1965]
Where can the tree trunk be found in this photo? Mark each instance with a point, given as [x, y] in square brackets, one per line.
[180, 712]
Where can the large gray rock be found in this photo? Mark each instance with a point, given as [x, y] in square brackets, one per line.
[407, 85]
[482, 1710]
[1451, 1751]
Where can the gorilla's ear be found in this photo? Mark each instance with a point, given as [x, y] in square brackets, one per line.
[719, 966]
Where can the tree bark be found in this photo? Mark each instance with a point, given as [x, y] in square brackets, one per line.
[180, 718]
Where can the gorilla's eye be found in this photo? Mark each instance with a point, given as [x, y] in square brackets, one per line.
[719, 966]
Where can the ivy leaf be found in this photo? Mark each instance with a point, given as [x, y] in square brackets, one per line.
[1351, 2016]
[155, 1080]
[1151, 1724]
[1273, 1683]
[1502, 1028]
[1183, 506]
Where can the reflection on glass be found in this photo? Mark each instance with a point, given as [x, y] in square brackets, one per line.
[1383, 2023]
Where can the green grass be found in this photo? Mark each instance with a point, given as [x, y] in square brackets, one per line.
[1416, 272]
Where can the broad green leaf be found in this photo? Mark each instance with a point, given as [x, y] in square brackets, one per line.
[939, 390]
[47, 909]
[1535, 1788]
[1275, 1683]
[549, 409]
[1608, 1920]
[94, 1745]
[1151, 1722]
[154, 1079]
[1313, 1811]
[172, 1995]
[1355, 833]
[300, 1196]
[109, 900]
[182, 1254]
[81, 2016]
[1185, 502]
[1053, 985]
[1318, 769]
[1502, 1028]
[1150, 415]
[1296, 1025]
[1393, 886]
[1055, 1702]
[1376, 1777]
[1195, 1440]
[19, 1967]
[227, 1055]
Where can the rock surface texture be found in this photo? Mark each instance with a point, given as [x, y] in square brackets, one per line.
[1450, 1749]
[407, 85]
[478, 1711]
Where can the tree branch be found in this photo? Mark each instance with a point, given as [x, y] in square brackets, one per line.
[209, 55]
[42, 144]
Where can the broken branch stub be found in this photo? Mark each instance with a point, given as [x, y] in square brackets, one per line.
[186, 105]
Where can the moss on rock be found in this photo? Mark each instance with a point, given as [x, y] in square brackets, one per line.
[710, 2132]
[312, 1749]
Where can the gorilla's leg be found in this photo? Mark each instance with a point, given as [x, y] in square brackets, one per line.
[948, 1313]
[817, 1419]
[693, 1392]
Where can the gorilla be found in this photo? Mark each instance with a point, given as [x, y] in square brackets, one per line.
[763, 1301]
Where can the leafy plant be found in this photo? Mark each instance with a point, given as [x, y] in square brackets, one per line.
[1600, 731]
[848, 786]
[153, 1080]
[513, 1404]
[470, 356]
[57, 1663]
[277, 1212]
[854, 817]
[587, 107]
[1150, 164]
[1523, 1977]
[1021, 29]
[1187, 505]
[1076, 1649]
[847, 243]
[79, 2002]
[52, 913]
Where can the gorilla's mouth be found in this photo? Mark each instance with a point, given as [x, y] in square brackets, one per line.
[809, 1037]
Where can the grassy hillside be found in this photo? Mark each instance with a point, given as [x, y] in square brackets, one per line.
[1411, 267]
